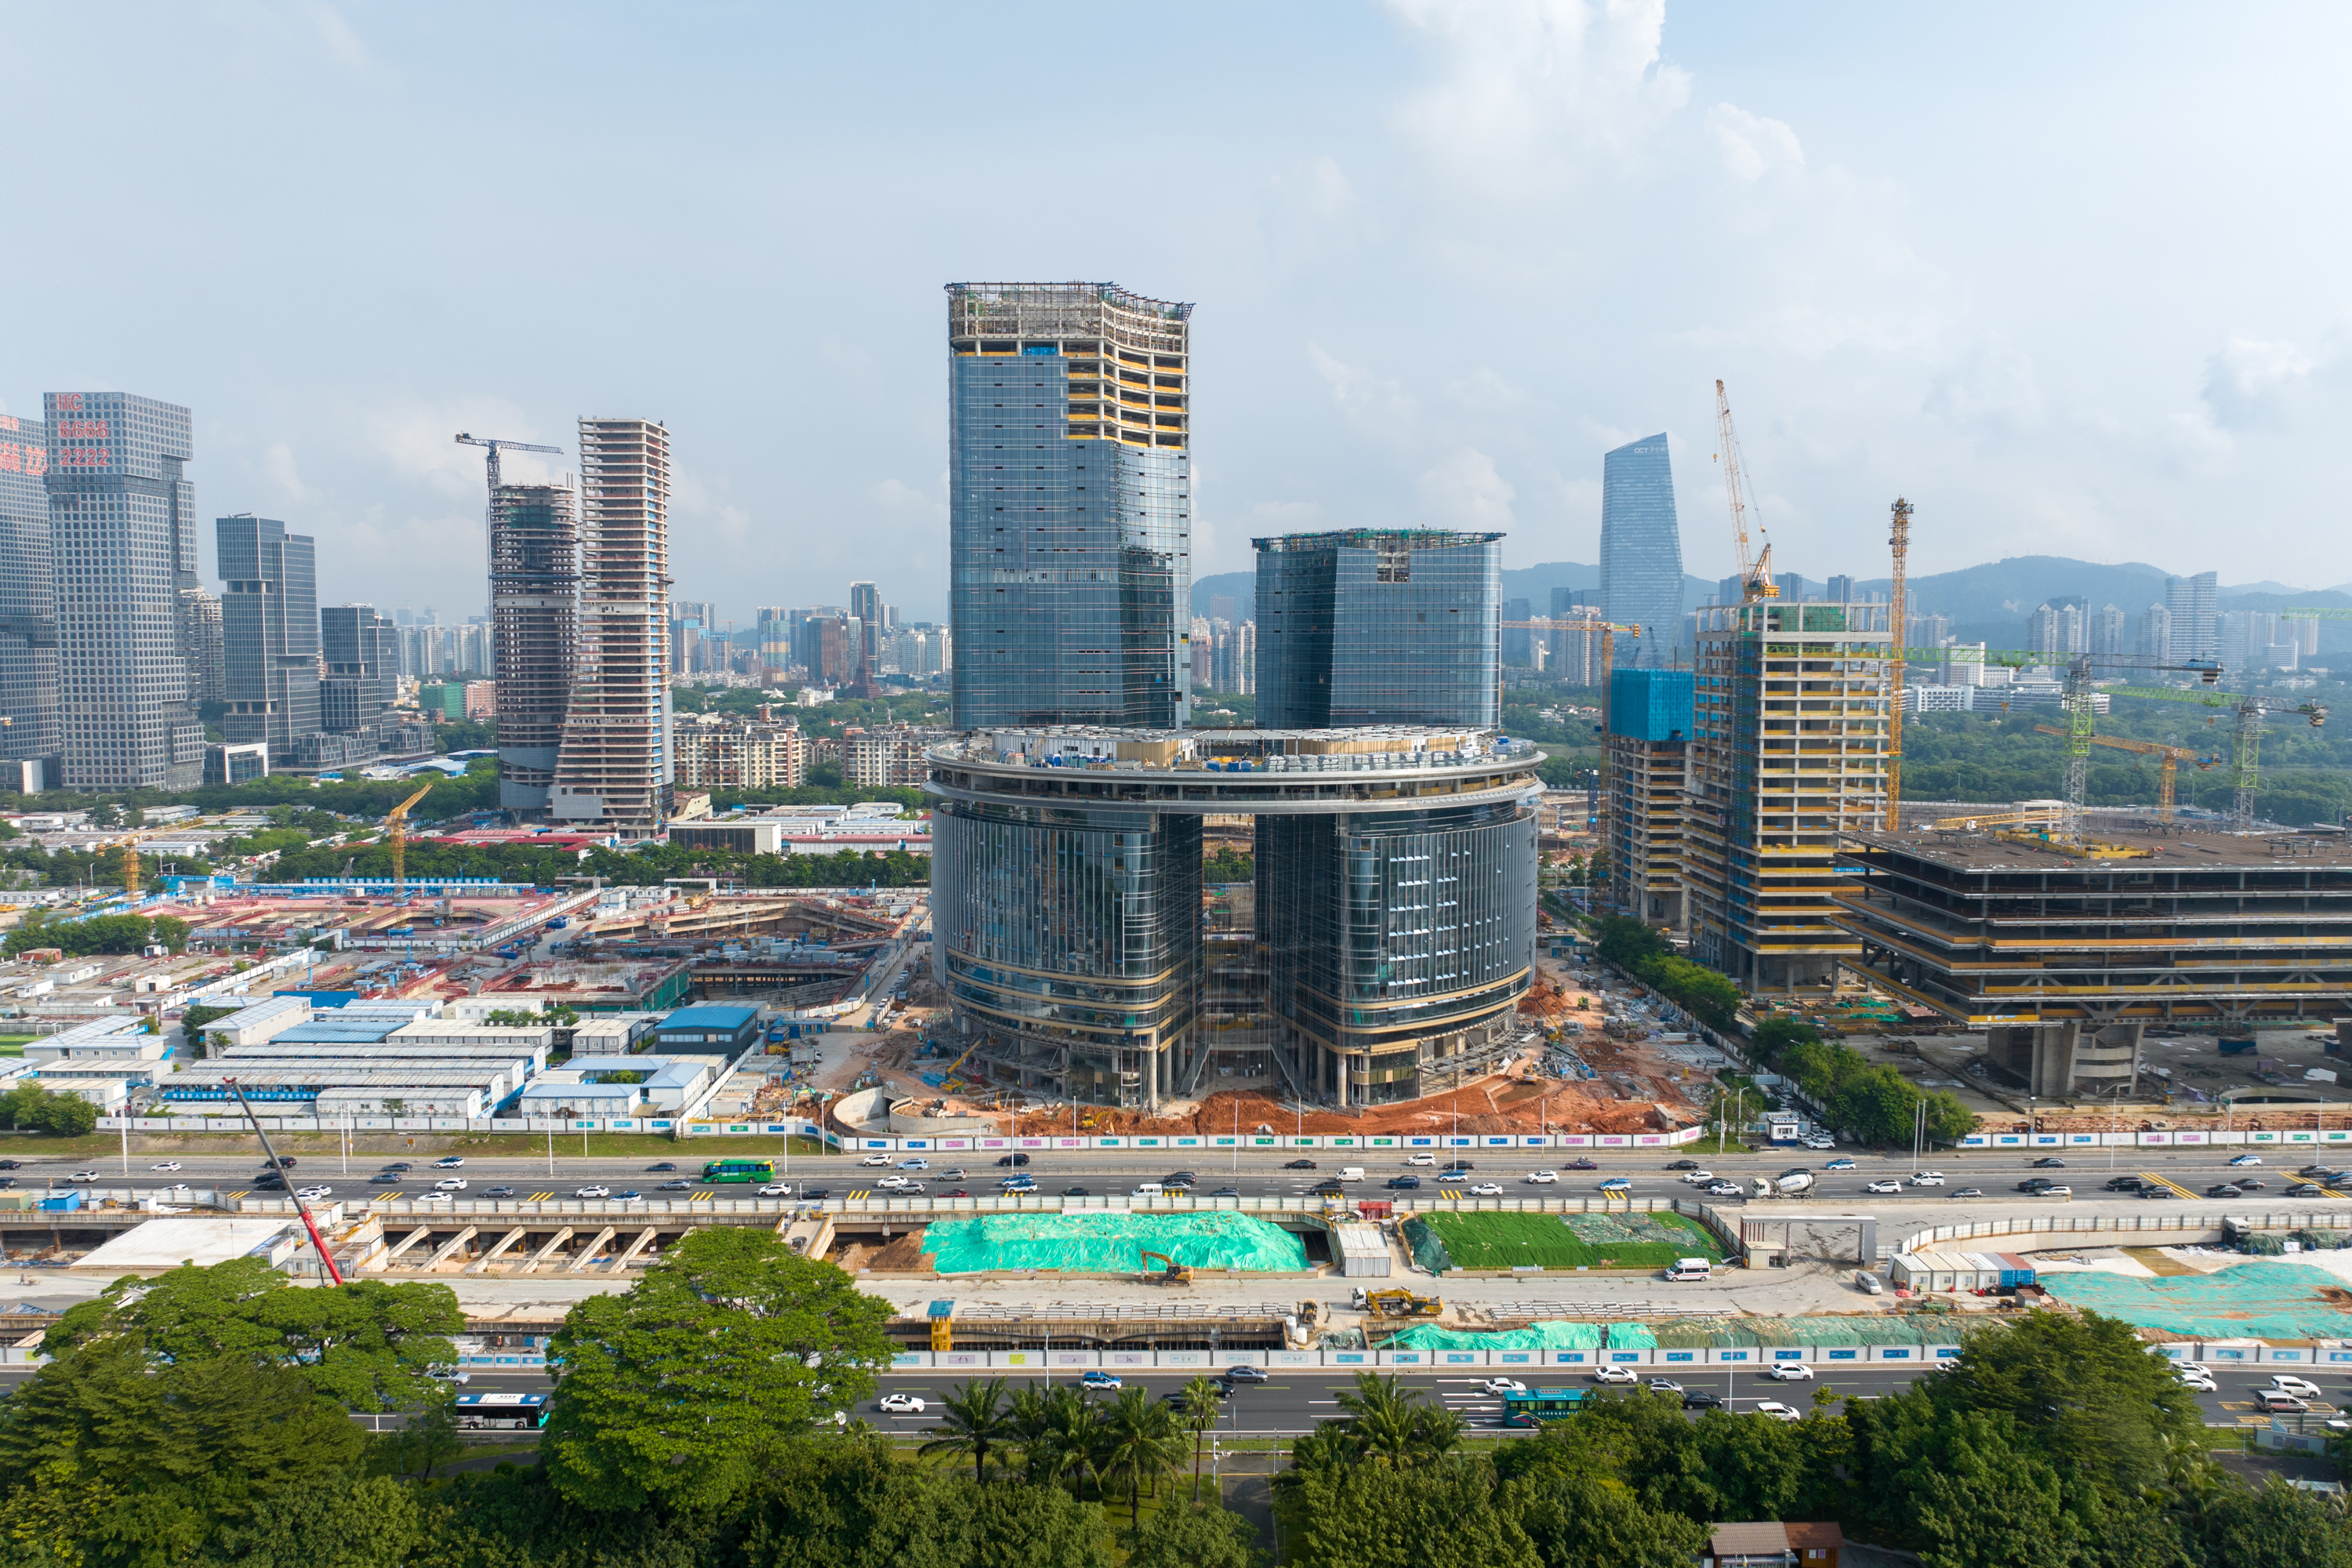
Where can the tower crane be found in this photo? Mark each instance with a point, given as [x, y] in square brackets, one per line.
[396, 832]
[2246, 740]
[2171, 758]
[1755, 575]
[1899, 543]
[496, 446]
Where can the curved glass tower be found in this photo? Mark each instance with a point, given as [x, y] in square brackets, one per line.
[1642, 551]
[1377, 627]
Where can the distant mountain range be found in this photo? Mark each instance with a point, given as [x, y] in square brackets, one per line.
[1991, 603]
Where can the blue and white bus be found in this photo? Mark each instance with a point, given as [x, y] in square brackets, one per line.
[528, 1411]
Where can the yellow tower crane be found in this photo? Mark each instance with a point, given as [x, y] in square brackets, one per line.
[2172, 757]
[1898, 541]
[1755, 575]
[395, 823]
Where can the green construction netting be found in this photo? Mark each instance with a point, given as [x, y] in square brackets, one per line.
[1111, 1243]
[1535, 1337]
[2269, 1301]
[1734, 1334]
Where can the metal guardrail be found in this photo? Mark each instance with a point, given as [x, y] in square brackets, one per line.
[2126, 1224]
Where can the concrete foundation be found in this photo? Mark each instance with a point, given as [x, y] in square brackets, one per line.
[2063, 1061]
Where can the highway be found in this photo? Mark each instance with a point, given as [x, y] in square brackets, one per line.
[1247, 1173]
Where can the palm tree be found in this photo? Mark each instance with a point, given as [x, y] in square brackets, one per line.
[974, 1420]
[1061, 1432]
[1140, 1443]
[1392, 1426]
[1200, 1413]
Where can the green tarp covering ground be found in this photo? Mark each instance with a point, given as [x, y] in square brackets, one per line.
[1485, 1240]
[2278, 1299]
[1559, 1336]
[1111, 1243]
[1687, 1333]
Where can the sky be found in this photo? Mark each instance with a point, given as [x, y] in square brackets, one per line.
[2071, 278]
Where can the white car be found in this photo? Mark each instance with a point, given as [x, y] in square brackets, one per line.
[86, 1176]
[1504, 1385]
[1106, 1381]
[776, 1190]
[433, 1198]
[579, 1191]
[167, 1165]
[1723, 1190]
[448, 1162]
[1487, 1190]
[899, 1404]
[450, 1185]
[1778, 1411]
[874, 1160]
[914, 1164]
[2302, 1388]
[2202, 1381]
[313, 1195]
[1542, 1178]
[2197, 1367]
[1421, 1159]
[1789, 1372]
[1698, 1178]
[2247, 1160]
[1926, 1178]
[1884, 1187]
[1615, 1375]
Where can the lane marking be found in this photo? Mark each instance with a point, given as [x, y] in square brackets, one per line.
[538, 1197]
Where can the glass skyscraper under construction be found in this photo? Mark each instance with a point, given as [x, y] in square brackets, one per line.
[1069, 501]
[1377, 627]
[1641, 551]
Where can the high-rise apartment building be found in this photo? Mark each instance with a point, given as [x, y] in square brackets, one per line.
[203, 635]
[1839, 589]
[1649, 766]
[1789, 715]
[1069, 481]
[1791, 585]
[2106, 634]
[122, 545]
[270, 633]
[30, 738]
[1642, 550]
[360, 650]
[1377, 627]
[1519, 641]
[2155, 638]
[715, 752]
[613, 765]
[534, 612]
[2189, 602]
[2057, 629]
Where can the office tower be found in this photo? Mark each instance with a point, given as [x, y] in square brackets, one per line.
[2190, 601]
[2156, 632]
[613, 765]
[828, 648]
[269, 634]
[865, 609]
[1649, 761]
[1642, 550]
[1518, 642]
[1839, 589]
[775, 637]
[122, 544]
[1791, 585]
[202, 635]
[1761, 838]
[1377, 627]
[1726, 592]
[360, 650]
[1069, 480]
[2105, 636]
[30, 740]
[535, 582]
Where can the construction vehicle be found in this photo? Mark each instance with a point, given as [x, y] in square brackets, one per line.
[395, 823]
[1174, 1274]
[1397, 1304]
[2172, 757]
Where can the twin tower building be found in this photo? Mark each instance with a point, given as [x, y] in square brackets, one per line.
[1389, 932]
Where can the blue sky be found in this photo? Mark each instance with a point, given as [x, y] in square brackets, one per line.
[2071, 278]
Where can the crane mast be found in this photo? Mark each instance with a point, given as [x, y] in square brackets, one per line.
[1899, 543]
[1755, 572]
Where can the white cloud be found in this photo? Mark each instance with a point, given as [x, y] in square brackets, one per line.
[1375, 405]
[1751, 145]
[343, 43]
[1466, 492]
[278, 467]
[2249, 384]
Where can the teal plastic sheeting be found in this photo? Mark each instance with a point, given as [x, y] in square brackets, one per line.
[2267, 1300]
[1534, 1337]
[1111, 1243]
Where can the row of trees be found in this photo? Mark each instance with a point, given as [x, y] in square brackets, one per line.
[100, 933]
[30, 1107]
[1644, 953]
[1869, 1099]
[2053, 1440]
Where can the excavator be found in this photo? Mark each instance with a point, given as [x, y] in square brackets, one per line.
[1399, 1304]
[1174, 1274]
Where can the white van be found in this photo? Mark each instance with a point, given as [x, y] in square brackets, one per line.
[1148, 1190]
[1352, 1172]
[1691, 1269]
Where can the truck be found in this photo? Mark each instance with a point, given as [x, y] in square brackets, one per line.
[1795, 1182]
[1691, 1269]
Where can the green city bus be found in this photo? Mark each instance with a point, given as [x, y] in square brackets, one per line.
[761, 1171]
[1544, 1404]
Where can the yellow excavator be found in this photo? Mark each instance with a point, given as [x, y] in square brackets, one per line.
[1400, 1304]
[1174, 1274]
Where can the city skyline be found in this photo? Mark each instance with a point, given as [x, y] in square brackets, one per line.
[1693, 194]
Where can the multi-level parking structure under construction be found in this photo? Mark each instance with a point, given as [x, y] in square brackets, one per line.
[1395, 898]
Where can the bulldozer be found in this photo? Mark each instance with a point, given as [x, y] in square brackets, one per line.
[1174, 1274]
[1399, 1304]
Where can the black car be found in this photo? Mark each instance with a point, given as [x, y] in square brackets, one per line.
[1403, 1182]
[398, 1165]
[1460, 1166]
[2316, 1171]
[2124, 1185]
[7, 1181]
[1076, 1192]
[1223, 1392]
[2305, 1190]
[664, 1165]
[1300, 1165]
[2250, 1184]
[1700, 1399]
[497, 1192]
[1226, 1193]
[268, 1180]
[1176, 1183]
[1244, 1374]
[1329, 1187]
[1686, 1165]
[384, 1179]
[1013, 1159]
[2050, 1163]
[2153, 1191]
[12, 1164]
[287, 1162]
[2034, 1184]
[1580, 1164]
[816, 1192]
[2223, 1190]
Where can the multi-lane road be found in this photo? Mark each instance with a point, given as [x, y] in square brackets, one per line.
[1247, 1174]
